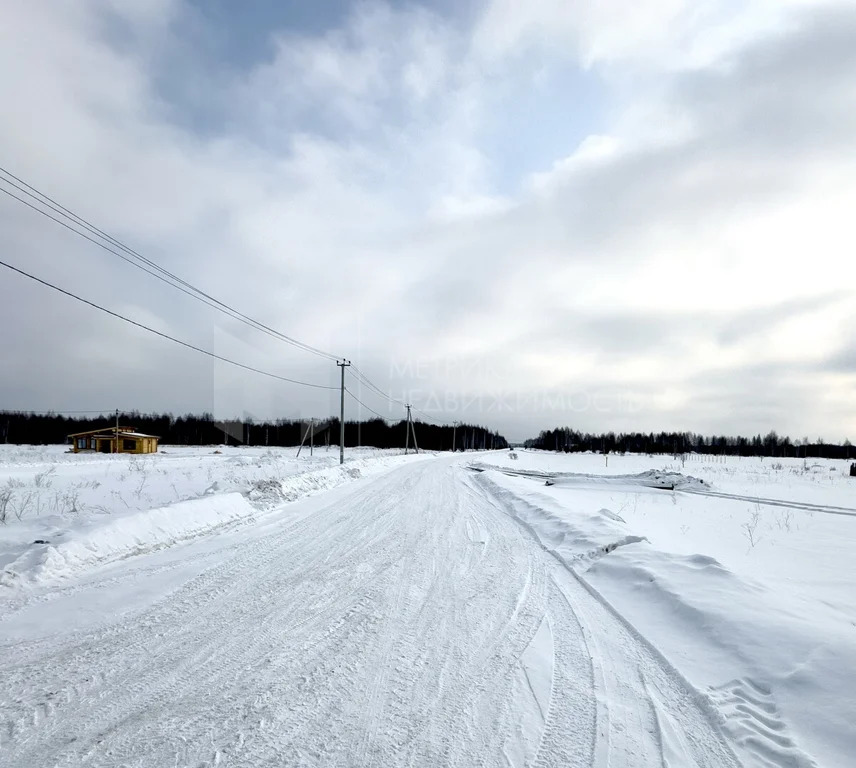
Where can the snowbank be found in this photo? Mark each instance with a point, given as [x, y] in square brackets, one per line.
[112, 538]
[777, 661]
[228, 489]
[781, 671]
[583, 537]
[272, 492]
[651, 478]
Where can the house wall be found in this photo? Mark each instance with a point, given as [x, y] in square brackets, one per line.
[91, 444]
[142, 444]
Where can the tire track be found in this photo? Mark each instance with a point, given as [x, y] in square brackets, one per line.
[639, 695]
[388, 628]
[804, 506]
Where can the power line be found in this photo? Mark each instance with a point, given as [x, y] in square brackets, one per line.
[104, 247]
[365, 380]
[191, 291]
[432, 418]
[360, 402]
[96, 235]
[373, 390]
[163, 335]
[361, 377]
[164, 275]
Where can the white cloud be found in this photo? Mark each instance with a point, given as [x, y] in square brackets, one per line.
[340, 190]
[651, 34]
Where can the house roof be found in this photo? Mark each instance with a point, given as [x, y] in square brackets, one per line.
[105, 430]
[111, 432]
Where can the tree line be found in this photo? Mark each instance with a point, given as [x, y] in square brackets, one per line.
[565, 439]
[22, 428]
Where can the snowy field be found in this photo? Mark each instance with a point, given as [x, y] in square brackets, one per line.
[747, 585]
[245, 608]
[92, 508]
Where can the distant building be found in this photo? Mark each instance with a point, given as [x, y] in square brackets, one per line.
[113, 440]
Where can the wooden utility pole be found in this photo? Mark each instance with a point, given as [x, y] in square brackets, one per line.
[116, 443]
[311, 436]
[344, 364]
[454, 429]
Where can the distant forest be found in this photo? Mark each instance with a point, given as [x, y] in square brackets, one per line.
[48, 429]
[565, 439]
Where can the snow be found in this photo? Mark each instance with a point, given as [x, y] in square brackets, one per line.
[111, 538]
[412, 611]
[68, 512]
[763, 624]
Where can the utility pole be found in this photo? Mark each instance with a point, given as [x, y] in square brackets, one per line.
[116, 444]
[344, 364]
[311, 436]
[454, 429]
[408, 428]
[407, 431]
[303, 440]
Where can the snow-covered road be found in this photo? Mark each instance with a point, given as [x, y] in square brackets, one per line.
[407, 620]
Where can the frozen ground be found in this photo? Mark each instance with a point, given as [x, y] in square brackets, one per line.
[425, 614]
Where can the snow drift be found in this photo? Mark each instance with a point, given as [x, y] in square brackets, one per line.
[45, 549]
[111, 538]
[779, 667]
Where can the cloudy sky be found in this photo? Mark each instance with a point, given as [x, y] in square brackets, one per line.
[610, 214]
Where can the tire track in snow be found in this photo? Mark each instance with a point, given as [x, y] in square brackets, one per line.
[647, 713]
[386, 628]
[374, 629]
[125, 646]
[804, 506]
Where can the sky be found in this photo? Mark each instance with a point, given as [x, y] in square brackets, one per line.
[603, 214]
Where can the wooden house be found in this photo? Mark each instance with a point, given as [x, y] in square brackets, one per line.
[113, 440]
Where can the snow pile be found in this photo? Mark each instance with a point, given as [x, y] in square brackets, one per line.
[112, 538]
[652, 478]
[585, 536]
[273, 492]
[664, 479]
